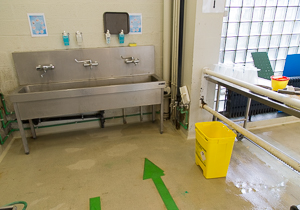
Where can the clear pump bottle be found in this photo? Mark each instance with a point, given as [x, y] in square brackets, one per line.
[107, 35]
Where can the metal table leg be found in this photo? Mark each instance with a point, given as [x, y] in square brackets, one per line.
[23, 135]
[32, 129]
[153, 113]
[217, 102]
[141, 113]
[239, 135]
[124, 117]
[247, 112]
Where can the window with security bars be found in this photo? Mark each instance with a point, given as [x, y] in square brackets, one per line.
[271, 26]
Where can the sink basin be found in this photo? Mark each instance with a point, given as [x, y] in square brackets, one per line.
[55, 99]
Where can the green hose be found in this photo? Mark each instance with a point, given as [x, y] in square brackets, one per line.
[4, 105]
[18, 202]
[4, 125]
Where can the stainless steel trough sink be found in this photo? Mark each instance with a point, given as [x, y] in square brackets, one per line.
[75, 81]
[57, 99]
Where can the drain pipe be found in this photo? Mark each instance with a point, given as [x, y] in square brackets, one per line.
[179, 72]
[181, 19]
[270, 148]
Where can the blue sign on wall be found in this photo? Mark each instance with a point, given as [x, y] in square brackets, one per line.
[37, 24]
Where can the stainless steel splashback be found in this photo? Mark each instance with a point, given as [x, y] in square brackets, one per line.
[66, 69]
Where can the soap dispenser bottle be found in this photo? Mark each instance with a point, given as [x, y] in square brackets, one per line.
[107, 35]
[79, 38]
[121, 37]
[66, 38]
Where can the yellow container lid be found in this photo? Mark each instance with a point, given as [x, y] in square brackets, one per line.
[215, 131]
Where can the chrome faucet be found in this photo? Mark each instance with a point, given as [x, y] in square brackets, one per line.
[45, 68]
[131, 60]
[88, 63]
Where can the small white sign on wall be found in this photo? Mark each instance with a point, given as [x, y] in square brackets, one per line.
[37, 24]
[135, 23]
[213, 6]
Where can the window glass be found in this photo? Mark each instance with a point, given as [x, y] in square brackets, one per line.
[253, 42]
[273, 52]
[291, 13]
[294, 40]
[271, 26]
[277, 28]
[248, 3]
[272, 2]
[293, 50]
[288, 27]
[258, 13]
[231, 43]
[232, 29]
[264, 42]
[256, 28]
[229, 56]
[240, 56]
[269, 13]
[293, 2]
[246, 14]
[266, 28]
[235, 14]
[280, 13]
[260, 2]
[242, 43]
[245, 29]
[282, 2]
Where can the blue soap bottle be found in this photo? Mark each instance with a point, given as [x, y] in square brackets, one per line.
[66, 38]
[121, 37]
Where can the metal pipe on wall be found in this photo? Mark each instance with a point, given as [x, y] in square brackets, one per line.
[177, 45]
[270, 148]
[262, 91]
[167, 29]
[180, 45]
[174, 64]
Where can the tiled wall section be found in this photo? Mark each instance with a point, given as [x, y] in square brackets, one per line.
[71, 16]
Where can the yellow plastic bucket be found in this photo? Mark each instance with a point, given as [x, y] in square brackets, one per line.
[214, 144]
[279, 82]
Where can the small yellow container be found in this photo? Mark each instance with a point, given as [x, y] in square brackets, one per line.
[214, 144]
[279, 82]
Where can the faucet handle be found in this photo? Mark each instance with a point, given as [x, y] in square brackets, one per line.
[128, 60]
[85, 61]
[88, 63]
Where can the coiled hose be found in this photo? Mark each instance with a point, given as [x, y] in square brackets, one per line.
[18, 202]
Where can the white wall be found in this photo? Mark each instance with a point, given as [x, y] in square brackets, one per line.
[201, 37]
[71, 16]
[201, 49]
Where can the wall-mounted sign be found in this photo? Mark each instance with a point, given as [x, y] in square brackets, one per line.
[135, 23]
[37, 24]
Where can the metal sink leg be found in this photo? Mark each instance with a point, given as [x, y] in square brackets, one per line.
[32, 129]
[153, 113]
[22, 132]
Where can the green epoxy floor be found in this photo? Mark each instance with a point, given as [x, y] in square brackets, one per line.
[63, 171]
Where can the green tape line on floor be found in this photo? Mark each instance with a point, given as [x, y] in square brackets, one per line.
[95, 203]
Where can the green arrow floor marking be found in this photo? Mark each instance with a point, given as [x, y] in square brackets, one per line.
[151, 171]
[95, 203]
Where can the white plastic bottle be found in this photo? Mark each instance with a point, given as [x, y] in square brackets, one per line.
[107, 35]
